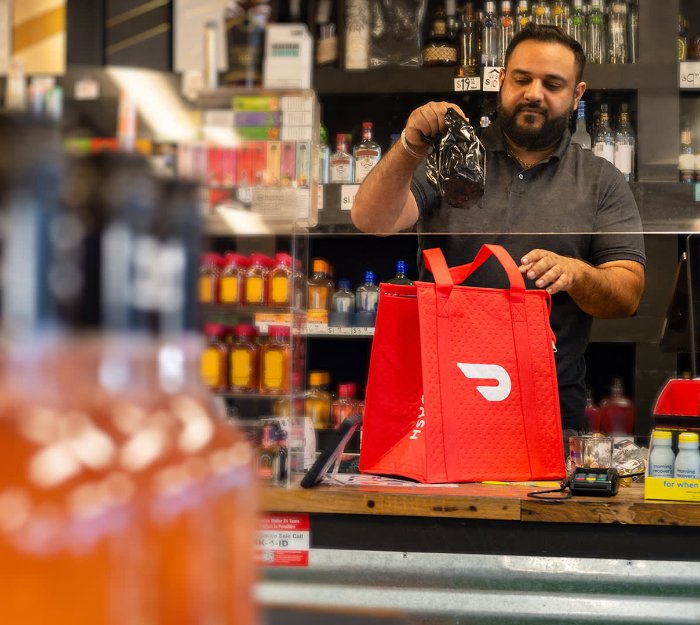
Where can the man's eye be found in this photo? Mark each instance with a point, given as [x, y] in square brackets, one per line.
[522, 81]
[553, 86]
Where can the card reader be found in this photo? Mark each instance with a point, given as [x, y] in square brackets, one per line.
[595, 482]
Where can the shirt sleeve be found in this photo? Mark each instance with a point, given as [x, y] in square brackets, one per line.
[618, 229]
[425, 194]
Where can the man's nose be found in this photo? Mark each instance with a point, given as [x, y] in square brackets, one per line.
[534, 91]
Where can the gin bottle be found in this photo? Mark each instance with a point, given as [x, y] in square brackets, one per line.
[506, 30]
[522, 15]
[366, 154]
[343, 300]
[604, 143]
[367, 294]
[489, 36]
[595, 50]
[559, 14]
[400, 277]
[617, 32]
[624, 145]
[540, 12]
[581, 135]
[468, 43]
[341, 162]
[576, 24]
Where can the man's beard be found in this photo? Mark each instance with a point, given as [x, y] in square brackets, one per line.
[532, 138]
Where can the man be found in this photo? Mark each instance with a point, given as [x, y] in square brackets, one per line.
[566, 216]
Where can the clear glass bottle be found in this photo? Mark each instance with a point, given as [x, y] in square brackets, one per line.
[255, 292]
[279, 281]
[275, 359]
[687, 465]
[232, 279]
[604, 140]
[686, 160]
[661, 458]
[581, 135]
[625, 145]
[343, 300]
[345, 406]
[559, 13]
[326, 34]
[244, 359]
[400, 277]
[489, 36]
[324, 157]
[440, 50]
[522, 15]
[341, 163]
[633, 32]
[213, 364]
[617, 32]
[468, 44]
[617, 411]
[317, 402]
[366, 154]
[595, 50]
[320, 286]
[367, 294]
[682, 37]
[576, 25]
[540, 12]
[506, 30]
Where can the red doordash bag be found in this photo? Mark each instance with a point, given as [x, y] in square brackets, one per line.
[462, 383]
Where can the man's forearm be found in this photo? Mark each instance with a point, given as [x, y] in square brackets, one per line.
[380, 204]
[609, 292]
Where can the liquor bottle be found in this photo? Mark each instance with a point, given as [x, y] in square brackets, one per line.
[617, 411]
[624, 145]
[341, 161]
[366, 154]
[279, 281]
[244, 359]
[559, 14]
[317, 402]
[506, 30]
[604, 140]
[439, 50]
[367, 294]
[595, 50]
[324, 157]
[489, 36]
[540, 12]
[576, 24]
[357, 34]
[686, 160]
[232, 279]
[320, 286]
[275, 361]
[661, 457]
[617, 32]
[326, 35]
[268, 454]
[581, 135]
[213, 362]
[342, 306]
[682, 37]
[345, 406]
[687, 465]
[468, 56]
[400, 277]
[633, 32]
[245, 32]
[522, 15]
[592, 413]
[255, 292]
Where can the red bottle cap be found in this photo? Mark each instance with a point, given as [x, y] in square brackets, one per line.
[281, 258]
[233, 259]
[281, 331]
[214, 329]
[346, 391]
[261, 259]
[245, 330]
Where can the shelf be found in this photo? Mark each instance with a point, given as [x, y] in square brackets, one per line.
[341, 333]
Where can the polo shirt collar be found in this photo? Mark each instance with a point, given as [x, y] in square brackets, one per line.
[494, 141]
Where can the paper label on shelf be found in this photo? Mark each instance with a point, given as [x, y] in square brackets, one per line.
[86, 89]
[283, 540]
[319, 198]
[492, 78]
[263, 321]
[316, 321]
[690, 75]
[347, 196]
[471, 83]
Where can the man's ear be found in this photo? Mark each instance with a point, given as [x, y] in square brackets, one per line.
[579, 90]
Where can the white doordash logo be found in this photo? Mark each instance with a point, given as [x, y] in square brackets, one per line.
[488, 372]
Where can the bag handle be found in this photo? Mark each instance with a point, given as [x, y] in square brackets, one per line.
[446, 278]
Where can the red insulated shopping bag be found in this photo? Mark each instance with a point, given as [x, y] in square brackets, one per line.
[462, 383]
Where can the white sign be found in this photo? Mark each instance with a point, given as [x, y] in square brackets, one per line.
[472, 83]
[690, 75]
[492, 78]
[283, 540]
[86, 89]
[347, 196]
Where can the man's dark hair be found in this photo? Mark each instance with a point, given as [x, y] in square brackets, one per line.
[549, 34]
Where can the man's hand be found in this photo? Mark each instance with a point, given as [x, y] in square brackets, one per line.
[610, 290]
[428, 121]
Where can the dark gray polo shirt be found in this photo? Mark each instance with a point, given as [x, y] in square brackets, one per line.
[573, 203]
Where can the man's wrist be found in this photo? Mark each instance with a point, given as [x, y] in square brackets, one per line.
[412, 150]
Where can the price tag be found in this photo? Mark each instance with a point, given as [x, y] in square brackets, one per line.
[263, 321]
[492, 78]
[363, 331]
[472, 83]
[690, 75]
[319, 196]
[86, 89]
[347, 196]
[283, 540]
[340, 330]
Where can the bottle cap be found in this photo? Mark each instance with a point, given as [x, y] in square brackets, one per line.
[210, 258]
[344, 284]
[369, 277]
[261, 259]
[278, 331]
[319, 265]
[367, 125]
[214, 329]
[282, 258]
[315, 378]
[245, 330]
[688, 438]
[233, 259]
[344, 391]
[400, 266]
[662, 435]
[325, 377]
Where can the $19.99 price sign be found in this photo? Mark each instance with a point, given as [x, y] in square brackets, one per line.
[283, 540]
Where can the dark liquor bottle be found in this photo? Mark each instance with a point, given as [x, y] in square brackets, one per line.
[440, 50]
[245, 38]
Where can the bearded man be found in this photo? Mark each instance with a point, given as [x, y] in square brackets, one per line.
[567, 217]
